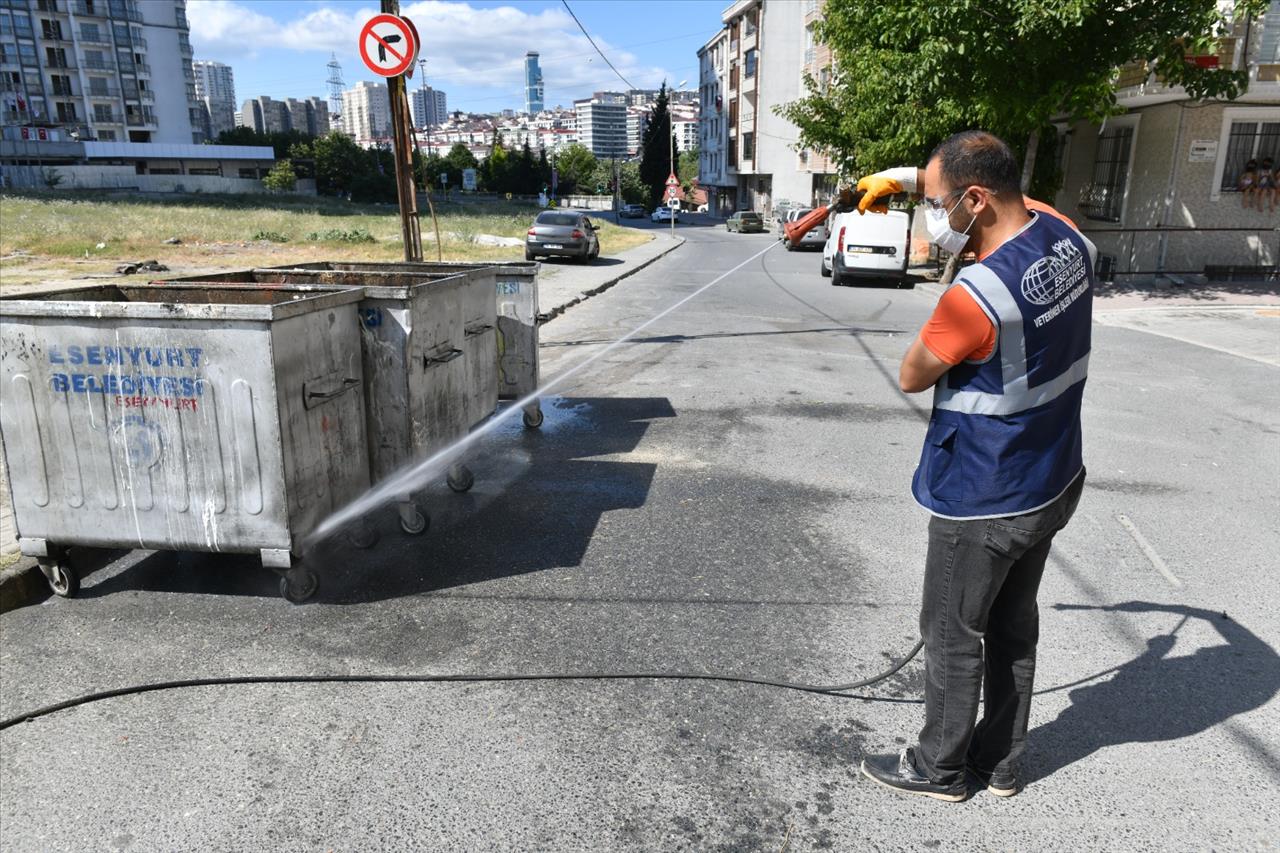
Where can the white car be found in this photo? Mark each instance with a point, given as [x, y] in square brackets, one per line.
[867, 246]
[665, 214]
[815, 236]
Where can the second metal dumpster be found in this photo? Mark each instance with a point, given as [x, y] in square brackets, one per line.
[207, 419]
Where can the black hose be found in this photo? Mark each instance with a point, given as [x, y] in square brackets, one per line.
[827, 689]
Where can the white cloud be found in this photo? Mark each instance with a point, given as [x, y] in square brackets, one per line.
[465, 47]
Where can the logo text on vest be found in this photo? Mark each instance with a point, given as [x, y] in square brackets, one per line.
[1046, 280]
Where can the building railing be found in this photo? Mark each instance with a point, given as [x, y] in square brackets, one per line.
[136, 120]
[100, 38]
[99, 9]
[106, 118]
[68, 62]
[1211, 253]
[139, 42]
[97, 65]
[103, 92]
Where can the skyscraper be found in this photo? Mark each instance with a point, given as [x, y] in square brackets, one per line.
[366, 112]
[117, 71]
[532, 83]
[427, 106]
[216, 87]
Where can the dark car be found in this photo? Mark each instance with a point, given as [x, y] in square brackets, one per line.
[745, 221]
[631, 211]
[563, 233]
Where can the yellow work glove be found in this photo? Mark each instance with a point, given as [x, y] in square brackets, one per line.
[876, 189]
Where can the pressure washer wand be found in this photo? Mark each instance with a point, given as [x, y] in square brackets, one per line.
[846, 200]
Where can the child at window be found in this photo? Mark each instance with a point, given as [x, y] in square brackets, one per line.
[1268, 185]
[1247, 183]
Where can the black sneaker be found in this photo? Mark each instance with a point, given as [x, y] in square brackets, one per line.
[899, 773]
[1002, 784]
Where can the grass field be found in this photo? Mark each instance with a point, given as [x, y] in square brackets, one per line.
[65, 235]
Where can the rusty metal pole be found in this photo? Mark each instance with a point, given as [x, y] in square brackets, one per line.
[400, 127]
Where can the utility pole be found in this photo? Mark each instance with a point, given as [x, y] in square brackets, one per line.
[671, 158]
[401, 125]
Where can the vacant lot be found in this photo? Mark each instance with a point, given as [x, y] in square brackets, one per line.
[58, 236]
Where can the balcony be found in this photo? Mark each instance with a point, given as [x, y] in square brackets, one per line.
[135, 120]
[55, 35]
[103, 92]
[96, 38]
[139, 42]
[93, 10]
[97, 65]
[107, 118]
[59, 62]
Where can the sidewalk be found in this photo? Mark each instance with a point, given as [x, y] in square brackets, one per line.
[562, 282]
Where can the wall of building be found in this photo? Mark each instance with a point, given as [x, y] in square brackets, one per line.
[126, 178]
[781, 58]
[1166, 189]
[172, 78]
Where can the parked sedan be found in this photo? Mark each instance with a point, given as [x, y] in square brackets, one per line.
[631, 211]
[745, 221]
[665, 214]
[563, 233]
[815, 236]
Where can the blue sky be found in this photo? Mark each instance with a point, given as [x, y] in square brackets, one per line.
[474, 50]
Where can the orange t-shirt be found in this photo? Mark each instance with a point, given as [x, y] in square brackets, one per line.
[959, 330]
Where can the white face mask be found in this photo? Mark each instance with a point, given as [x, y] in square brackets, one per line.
[944, 236]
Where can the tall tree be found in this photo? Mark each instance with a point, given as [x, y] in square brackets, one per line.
[911, 72]
[656, 149]
[459, 158]
[576, 166]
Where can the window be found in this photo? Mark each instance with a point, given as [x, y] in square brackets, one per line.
[107, 135]
[57, 57]
[61, 84]
[98, 86]
[1103, 198]
[51, 29]
[102, 112]
[6, 25]
[22, 25]
[27, 53]
[1249, 140]
[748, 146]
[750, 63]
[90, 32]
[66, 112]
[94, 59]
[809, 52]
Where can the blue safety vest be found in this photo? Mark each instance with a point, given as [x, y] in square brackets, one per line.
[1004, 437]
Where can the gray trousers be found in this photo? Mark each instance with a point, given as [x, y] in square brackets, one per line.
[980, 626]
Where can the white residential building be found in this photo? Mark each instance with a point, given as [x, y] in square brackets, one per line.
[428, 107]
[113, 71]
[637, 124]
[366, 113]
[602, 125]
[216, 89]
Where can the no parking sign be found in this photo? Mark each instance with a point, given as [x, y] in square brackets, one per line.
[389, 45]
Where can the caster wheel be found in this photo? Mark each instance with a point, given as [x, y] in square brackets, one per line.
[416, 524]
[362, 534]
[533, 421]
[63, 579]
[460, 478]
[298, 585]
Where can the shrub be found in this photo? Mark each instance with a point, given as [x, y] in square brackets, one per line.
[270, 236]
[337, 235]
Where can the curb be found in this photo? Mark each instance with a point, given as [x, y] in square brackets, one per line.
[22, 584]
[547, 316]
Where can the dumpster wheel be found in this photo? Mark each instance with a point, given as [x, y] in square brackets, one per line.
[533, 420]
[413, 520]
[460, 478]
[63, 578]
[362, 534]
[298, 584]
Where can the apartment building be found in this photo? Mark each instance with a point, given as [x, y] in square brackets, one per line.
[637, 124]
[602, 124]
[1158, 188]
[428, 107]
[533, 87]
[110, 70]
[366, 113]
[309, 115]
[750, 156]
[216, 90]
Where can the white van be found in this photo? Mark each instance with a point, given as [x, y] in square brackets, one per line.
[867, 246]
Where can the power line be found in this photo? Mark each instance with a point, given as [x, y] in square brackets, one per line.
[630, 85]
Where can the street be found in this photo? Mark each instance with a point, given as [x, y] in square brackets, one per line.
[727, 492]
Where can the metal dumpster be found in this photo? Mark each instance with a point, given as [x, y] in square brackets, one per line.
[516, 319]
[420, 386]
[206, 419]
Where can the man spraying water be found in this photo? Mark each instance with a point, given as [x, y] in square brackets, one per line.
[1006, 353]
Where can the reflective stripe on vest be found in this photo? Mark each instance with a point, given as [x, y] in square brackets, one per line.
[994, 298]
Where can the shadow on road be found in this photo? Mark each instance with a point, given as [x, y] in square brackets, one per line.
[601, 261]
[1209, 291]
[1158, 697]
[535, 506]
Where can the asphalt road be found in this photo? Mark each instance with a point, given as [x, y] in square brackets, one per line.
[727, 492]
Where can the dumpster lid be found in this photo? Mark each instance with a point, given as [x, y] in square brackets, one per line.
[377, 284]
[177, 302]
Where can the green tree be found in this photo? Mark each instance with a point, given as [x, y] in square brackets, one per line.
[656, 149]
[281, 178]
[576, 165]
[459, 158]
[633, 189]
[911, 72]
[339, 163]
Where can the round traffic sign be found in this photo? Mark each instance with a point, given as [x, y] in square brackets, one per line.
[388, 45]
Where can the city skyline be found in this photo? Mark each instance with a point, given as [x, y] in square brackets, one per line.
[280, 48]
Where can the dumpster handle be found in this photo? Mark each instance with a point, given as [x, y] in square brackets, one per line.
[428, 360]
[314, 397]
[478, 329]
